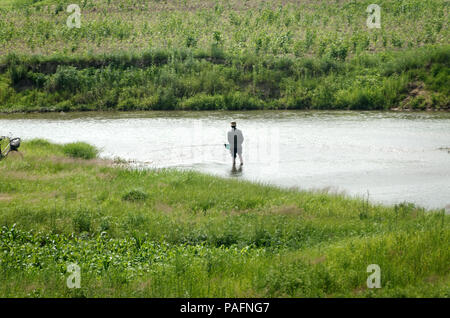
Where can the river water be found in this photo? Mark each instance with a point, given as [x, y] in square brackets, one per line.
[391, 157]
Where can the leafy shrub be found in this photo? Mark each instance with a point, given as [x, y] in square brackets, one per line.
[18, 73]
[338, 51]
[80, 150]
[66, 78]
[439, 78]
[166, 99]
[241, 101]
[82, 221]
[135, 195]
[191, 41]
[203, 102]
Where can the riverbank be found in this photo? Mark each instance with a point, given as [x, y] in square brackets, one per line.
[197, 80]
[167, 233]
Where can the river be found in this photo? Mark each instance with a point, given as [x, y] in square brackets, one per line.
[390, 157]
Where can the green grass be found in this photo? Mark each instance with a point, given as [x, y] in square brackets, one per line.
[158, 80]
[80, 150]
[306, 28]
[168, 233]
[227, 55]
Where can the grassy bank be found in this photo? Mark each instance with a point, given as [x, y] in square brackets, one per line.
[188, 80]
[227, 55]
[162, 233]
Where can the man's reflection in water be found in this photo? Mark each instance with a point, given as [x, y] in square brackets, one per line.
[236, 172]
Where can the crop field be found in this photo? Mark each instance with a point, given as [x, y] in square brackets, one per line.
[300, 28]
[198, 55]
[166, 233]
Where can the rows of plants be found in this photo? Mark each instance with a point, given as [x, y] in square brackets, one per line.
[299, 28]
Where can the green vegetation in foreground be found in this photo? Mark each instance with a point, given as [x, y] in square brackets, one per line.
[167, 233]
[80, 150]
[227, 55]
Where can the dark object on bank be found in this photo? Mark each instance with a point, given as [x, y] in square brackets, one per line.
[14, 144]
[7, 145]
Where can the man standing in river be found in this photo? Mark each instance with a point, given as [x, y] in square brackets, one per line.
[235, 139]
